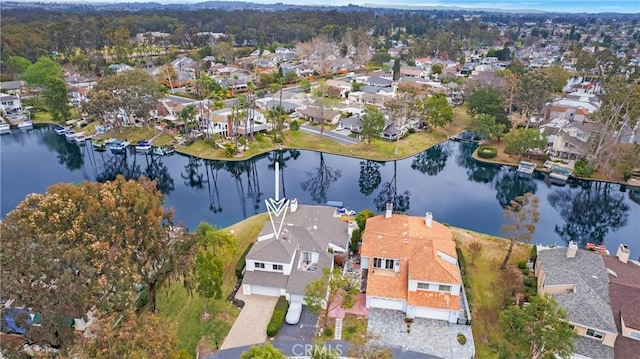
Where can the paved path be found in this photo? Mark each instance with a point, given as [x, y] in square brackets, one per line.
[251, 325]
[332, 135]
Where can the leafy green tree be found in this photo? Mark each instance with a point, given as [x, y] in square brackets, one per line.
[485, 126]
[372, 123]
[522, 140]
[362, 216]
[305, 85]
[320, 295]
[539, 330]
[220, 241]
[56, 97]
[487, 99]
[436, 69]
[37, 73]
[535, 89]
[187, 115]
[266, 351]
[436, 111]
[521, 214]
[17, 64]
[134, 92]
[209, 273]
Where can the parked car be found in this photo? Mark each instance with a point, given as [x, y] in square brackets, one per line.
[293, 313]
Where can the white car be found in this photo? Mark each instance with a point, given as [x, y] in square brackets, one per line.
[293, 313]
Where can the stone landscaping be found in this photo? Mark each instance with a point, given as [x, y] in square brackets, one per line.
[429, 336]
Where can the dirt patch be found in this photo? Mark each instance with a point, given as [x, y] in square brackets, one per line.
[223, 317]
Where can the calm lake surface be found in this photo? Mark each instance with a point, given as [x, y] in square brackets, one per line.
[444, 180]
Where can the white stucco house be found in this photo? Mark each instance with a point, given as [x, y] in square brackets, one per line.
[283, 266]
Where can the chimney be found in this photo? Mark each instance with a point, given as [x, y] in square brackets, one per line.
[350, 226]
[294, 204]
[572, 249]
[389, 211]
[623, 253]
[428, 218]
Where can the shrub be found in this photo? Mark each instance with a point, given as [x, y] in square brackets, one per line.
[529, 282]
[522, 264]
[328, 332]
[279, 312]
[230, 149]
[583, 168]
[260, 137]
[487, 152]
[242, 262]
[412, 130]
[525, 271]
[534, 253]
[461, 339]
[210, 141]
[295, 125]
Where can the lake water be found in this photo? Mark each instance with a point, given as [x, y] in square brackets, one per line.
[444, 180]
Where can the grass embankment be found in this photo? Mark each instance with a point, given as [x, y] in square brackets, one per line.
[185, 311]
[482, 277]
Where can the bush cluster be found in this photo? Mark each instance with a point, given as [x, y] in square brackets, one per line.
[465, 278]
[277, 318]
[487, 151]
[242, 262]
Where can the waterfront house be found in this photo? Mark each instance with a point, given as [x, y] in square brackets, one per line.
[284, 265]
[10, 104]
[567, 139]
[412, 266]
[319, 115]
[624, 294]
[579, 282]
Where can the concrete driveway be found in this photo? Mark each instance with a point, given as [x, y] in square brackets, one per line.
[332, 135]
[251, 326]
[304, 330]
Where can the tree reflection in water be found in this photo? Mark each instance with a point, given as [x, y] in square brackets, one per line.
[433, 160]
[370, 176]
[476, 171]
[156, 170]
[510, 185]
[590, 213]
[192, 176]
[68, 154]
[389, 194]
[320, 179]
[118, 165]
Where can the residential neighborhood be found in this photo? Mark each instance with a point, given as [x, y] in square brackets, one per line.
[241, 180]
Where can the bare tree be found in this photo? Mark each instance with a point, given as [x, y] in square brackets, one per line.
[522, 215]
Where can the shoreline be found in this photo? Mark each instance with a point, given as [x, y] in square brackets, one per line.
[502, 163]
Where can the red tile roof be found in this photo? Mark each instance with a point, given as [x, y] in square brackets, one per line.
[421, 250]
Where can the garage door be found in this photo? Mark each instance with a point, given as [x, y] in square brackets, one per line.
[387, 303]
[269, 291]
[432, 313]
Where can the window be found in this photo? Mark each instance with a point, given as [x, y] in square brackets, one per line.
[306, 257]
[384, 263]
[595, 333]
[422, 285]
[444, 288]
[634, 335]
[277, 267]
[258, 265]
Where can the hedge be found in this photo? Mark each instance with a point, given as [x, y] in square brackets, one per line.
[487, 151]
[242, 262]
[279, 312]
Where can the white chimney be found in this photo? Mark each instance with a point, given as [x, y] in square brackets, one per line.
[389, 211]
[572, 249]
[428, 218]
[350, 226]
[294, 204]
[623, 253]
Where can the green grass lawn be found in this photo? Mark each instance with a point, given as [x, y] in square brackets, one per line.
[185, 310]
[482, 275]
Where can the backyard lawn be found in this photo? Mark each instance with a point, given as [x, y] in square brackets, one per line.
[185, 310]
[482, 278]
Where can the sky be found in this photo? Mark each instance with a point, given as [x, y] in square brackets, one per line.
[570, 6]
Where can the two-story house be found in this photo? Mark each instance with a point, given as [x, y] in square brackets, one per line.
[412, 266]
[310, 237]
[566, 138]
[10, 104]
[579, 282]
[624, 294]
